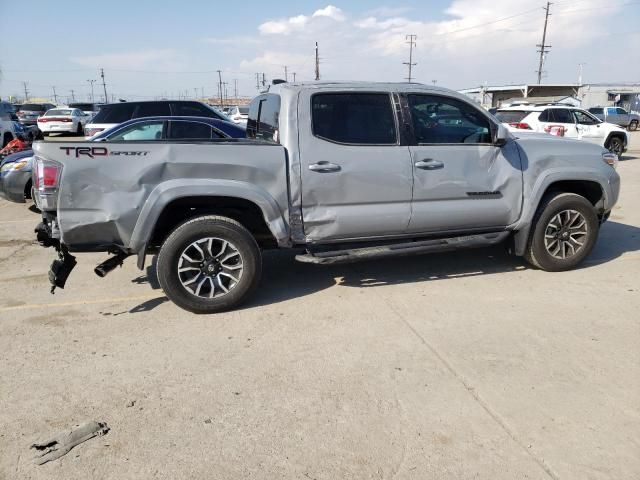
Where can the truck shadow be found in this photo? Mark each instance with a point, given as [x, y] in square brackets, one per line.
[284, 279]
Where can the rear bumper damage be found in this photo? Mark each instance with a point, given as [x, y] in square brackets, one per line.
[61, 268]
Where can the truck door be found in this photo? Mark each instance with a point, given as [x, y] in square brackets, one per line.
[562, 117]
[356, 177]
[462, 180]
[622, 117]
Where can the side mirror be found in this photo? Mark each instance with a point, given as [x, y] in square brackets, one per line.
[501, 136]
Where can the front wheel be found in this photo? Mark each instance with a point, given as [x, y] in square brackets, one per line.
[616, 145]
[209, 264]
[564, 231]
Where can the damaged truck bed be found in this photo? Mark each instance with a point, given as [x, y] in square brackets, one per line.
[347, 171]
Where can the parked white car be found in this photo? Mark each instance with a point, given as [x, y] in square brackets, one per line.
[239, 114]
[567, 121]
[63, 120]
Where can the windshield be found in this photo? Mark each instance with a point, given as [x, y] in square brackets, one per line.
[510, 116]
[52, 113]
[244, 110]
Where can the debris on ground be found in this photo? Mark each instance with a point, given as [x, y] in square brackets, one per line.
[63, 443]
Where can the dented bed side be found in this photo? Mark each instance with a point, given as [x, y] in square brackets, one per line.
[113, 199]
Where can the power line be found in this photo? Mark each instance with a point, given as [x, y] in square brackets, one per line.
[544, 48]
[411, 41]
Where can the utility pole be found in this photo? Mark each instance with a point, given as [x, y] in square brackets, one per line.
[195, 92]
[286, 75]
[226, 93]
[294, 77]
[411, 40]
[91, 82]
[220, 87]
[258, 81]
[73, 98]
[317, 63]
[104, 86]
[202, 91]
[55, 97]
[26, 92]
[235, 89]
[580, 67]
[544, 48]
[264, 80]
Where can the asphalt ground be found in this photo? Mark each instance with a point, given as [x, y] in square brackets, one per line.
[452, 366]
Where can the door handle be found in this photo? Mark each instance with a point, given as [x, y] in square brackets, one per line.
[429, 164]
[324, 167]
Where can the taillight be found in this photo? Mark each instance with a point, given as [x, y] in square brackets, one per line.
[47, 175]
[520, 125]
[557, 130]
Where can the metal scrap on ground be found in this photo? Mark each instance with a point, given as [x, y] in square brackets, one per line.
[63, 443]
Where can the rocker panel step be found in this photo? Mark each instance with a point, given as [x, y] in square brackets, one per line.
[405, 248]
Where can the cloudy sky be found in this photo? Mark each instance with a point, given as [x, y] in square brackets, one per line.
[148, 49]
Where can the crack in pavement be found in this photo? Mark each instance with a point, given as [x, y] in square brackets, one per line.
[472, 391]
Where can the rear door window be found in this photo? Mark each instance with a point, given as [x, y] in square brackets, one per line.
[152, 109]
[143, 131]
[181, 130]
[597, 111]
[115, 113]
[621, 111]
[562, 115]
[354, 118]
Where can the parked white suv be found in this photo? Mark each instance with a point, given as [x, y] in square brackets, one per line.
[567, 121]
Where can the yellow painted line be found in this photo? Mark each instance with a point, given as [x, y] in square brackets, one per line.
[81, 302]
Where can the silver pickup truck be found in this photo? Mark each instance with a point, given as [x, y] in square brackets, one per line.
[340, 171]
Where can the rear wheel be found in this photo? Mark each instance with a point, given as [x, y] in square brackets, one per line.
[563, 232]
[79, 129]
[209, 264]
[633, 126]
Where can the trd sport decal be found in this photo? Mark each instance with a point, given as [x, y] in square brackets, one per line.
[93, 152]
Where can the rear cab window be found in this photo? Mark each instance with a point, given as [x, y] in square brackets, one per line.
[354, 118]
[264, 118]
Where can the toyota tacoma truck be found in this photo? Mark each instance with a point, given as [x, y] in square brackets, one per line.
[338, 171]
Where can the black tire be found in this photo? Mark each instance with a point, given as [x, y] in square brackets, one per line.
[616, 145]
[553, 204]
[200, 228]
[79, 130]
[633, 126]
[6, 139]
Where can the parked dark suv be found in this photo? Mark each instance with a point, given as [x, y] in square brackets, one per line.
[114, 114]
[29, 112]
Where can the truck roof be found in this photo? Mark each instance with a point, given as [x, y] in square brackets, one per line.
[351, 85]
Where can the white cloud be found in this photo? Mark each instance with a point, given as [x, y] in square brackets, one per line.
[287, 26]
[331, 12]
